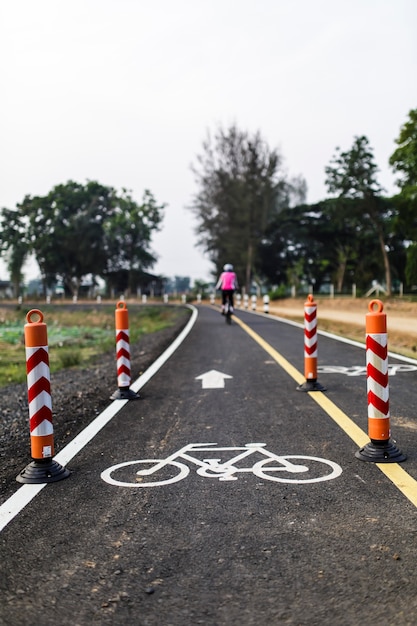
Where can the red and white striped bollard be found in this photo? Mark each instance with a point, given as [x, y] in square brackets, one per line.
[123, 354]
[380, 449]
[310, 347]
[43, 469]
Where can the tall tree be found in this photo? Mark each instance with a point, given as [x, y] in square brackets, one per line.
[14, 245]
[404, 162]
[318, 243]
[288, 253]
[404, 158]
[411, 265]
[353, 174]
[80, 230]
[241, 187]
[127, 236]
[66, 231]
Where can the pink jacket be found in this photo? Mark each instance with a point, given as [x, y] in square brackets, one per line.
[227, 280]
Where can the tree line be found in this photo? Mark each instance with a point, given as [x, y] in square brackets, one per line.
[78, 231]
[251, 214]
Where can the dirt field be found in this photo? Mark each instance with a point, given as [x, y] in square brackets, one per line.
[347, 317]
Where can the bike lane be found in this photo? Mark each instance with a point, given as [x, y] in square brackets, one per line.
[342, 371]
[205, 550]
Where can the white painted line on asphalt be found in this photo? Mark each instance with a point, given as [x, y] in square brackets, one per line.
[26, 493]
[86, 435]
[398, 476]
[360, 370]
[17, 502]
[146, 376]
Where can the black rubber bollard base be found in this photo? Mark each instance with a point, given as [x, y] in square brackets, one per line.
[380, 452]
[42, 471]
[311, 385]
[124, 393]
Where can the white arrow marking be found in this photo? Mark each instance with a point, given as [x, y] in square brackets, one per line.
[213, 379]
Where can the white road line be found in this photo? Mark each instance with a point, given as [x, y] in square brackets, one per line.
[26, 493]
[17, 502]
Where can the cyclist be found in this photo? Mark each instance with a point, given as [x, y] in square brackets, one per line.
[228, 284]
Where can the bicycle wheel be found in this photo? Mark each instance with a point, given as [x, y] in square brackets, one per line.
[315, 469]
[163, 476]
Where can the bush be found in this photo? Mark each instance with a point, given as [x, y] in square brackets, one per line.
[278, 293]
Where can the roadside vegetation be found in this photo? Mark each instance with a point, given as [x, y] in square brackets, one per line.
[249, 212]
[76, 336]
[91, 238]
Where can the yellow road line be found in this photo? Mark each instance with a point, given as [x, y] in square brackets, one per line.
[396, 474]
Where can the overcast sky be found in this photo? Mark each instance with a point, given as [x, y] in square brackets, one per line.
[124, 91]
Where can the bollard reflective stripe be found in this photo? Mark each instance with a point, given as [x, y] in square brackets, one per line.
[310, 339]
[43, 469]
[310, 347]
[380, 449]
[121, 317]
[377, 373]
[39, 387]
[122, 345]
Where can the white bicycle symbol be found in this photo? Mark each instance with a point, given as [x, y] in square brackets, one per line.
[281, 469]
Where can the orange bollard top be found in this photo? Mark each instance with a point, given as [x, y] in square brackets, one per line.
[376, 320]
[122, 316]
[36, 334]
[310, 300]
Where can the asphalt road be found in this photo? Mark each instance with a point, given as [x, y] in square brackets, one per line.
[239, 545]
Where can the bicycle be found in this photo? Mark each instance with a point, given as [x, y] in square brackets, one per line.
[281, 470]
[228, 310]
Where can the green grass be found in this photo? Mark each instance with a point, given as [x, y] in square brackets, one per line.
[76, 336]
